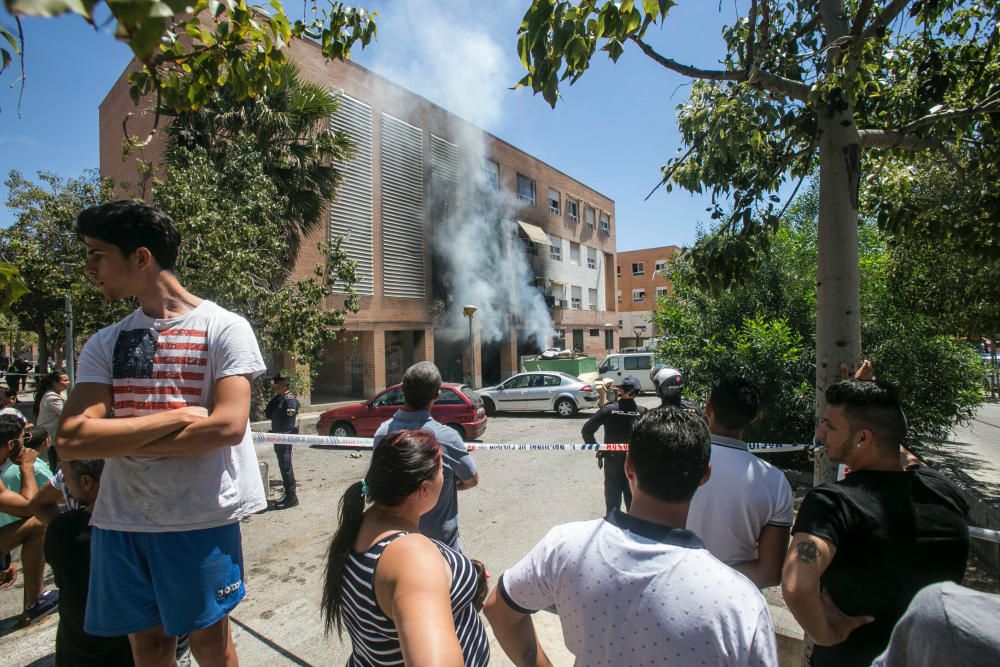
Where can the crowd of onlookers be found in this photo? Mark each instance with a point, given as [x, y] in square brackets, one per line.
[139, 513]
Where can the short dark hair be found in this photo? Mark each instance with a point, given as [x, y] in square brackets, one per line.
[10, 393]
[670, 449]
[421, 384]
[90, 467]
[132, 225]
[872, 405]
[10, 427]
[735, 402]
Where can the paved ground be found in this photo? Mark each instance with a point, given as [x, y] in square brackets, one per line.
[974, 450]
[520, 496]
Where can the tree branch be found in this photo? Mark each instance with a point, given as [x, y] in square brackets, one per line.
[770, 82]
[670, 172]
[930, 119]
[887, 16]
[896, 139]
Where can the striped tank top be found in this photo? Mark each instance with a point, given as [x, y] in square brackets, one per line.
[374, 638]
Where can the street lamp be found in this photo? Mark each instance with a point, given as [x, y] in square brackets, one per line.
[469, 311]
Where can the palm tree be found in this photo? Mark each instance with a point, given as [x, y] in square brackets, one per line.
[289, 126]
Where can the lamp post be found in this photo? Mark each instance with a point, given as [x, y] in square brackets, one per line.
[469, 311]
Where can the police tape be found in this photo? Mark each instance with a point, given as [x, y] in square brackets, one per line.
[348, 442]
[353, 443]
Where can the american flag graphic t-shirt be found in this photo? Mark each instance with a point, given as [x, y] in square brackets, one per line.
[153, 365]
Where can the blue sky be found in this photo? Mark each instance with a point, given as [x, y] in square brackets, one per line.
[612, 130]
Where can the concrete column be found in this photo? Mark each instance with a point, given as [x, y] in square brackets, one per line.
[373, 358]
[425, 351]
[508, 356]
[477, 362]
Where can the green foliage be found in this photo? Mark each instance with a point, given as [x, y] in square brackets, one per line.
[288, 128]
[230, 216]
[12, 286]
[189, 49]
[763, 331]
[41, 244]
[917, 76]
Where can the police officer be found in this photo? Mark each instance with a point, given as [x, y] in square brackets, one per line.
[617, 419]
[283, 410]
[669, 383]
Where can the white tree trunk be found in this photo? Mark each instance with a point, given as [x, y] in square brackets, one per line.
[838, 322]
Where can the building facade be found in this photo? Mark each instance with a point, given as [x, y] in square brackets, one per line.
[410, 166]
[641, 282]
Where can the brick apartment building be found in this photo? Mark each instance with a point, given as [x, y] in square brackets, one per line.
[386, 210]
[641, 281]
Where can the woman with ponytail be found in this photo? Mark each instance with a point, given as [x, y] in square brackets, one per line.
[403, 597]
[50, 395]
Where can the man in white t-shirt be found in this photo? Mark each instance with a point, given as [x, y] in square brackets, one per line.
[164, 396]
[743, 514]
[638, 588]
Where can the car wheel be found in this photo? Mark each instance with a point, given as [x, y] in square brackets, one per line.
[565, 407]
[490, 407]
[342, 430]
[458, 429]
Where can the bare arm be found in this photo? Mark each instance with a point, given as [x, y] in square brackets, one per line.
[771, 548]
[225, 426]
[808, 558]
[45, 505]
[466, 484]
[412, 586]
[85, 431]
[13, 503]
[25, 460]
[515, 632]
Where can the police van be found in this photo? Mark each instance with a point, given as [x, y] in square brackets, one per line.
[618, 366]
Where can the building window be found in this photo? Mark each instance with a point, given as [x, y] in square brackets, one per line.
[578, 340]
[638, 268]
[572, 209]
[491, 174]
[531, 248]
[619, 296]
[525, 189]
[661, 291]
[554, 199]
[574, 253]
[591, 258]
[555, 249]
[560, 338]
[576, 298]
[592, 299]
[588, 216]
[609, 339]
[618, 270]
[605, 223]
[594, 333]
[661, 265]
[638, 295]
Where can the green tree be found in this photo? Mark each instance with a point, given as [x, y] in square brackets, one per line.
[762, 329]
[288, 126]
[230, 216]
[188, 50]
[834, 82]
[41, 244]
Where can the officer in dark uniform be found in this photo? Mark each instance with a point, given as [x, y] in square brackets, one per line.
[283, 410]
[669, 383]
[617, 418]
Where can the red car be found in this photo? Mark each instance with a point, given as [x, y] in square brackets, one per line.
[458, 407]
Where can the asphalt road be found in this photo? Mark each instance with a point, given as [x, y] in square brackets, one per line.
[521, 495]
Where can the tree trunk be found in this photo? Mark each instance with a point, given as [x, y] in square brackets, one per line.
[838, 322]
[43, 346]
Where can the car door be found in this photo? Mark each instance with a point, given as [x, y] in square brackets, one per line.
[611, 369]
[380, 408]
[510, 395]
[537, 396]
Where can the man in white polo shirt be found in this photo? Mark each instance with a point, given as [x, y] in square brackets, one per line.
[637, 588]
[743, 514]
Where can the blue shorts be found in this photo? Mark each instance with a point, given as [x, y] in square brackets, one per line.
[184, 580]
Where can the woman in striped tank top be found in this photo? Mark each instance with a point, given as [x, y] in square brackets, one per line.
[405, 599]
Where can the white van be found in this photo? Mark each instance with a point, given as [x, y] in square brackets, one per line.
[617, 367]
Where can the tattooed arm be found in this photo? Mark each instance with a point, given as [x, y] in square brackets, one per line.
[807, 559]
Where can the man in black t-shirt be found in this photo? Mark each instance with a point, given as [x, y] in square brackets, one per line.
[864, 546]
[67, 550]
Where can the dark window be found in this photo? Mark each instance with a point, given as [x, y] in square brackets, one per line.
[448, 397]
[526, 189]
[517, 382]
[392, 397]
[578, 339]
[640, 363]
[595, 332]
[552, 381]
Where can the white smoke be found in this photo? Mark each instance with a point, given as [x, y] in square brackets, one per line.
[432, 49]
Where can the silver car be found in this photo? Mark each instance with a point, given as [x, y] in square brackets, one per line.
[539, 391]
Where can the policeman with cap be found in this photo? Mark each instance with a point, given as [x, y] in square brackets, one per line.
[283, 410]
[617, 418]
[669, 383]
